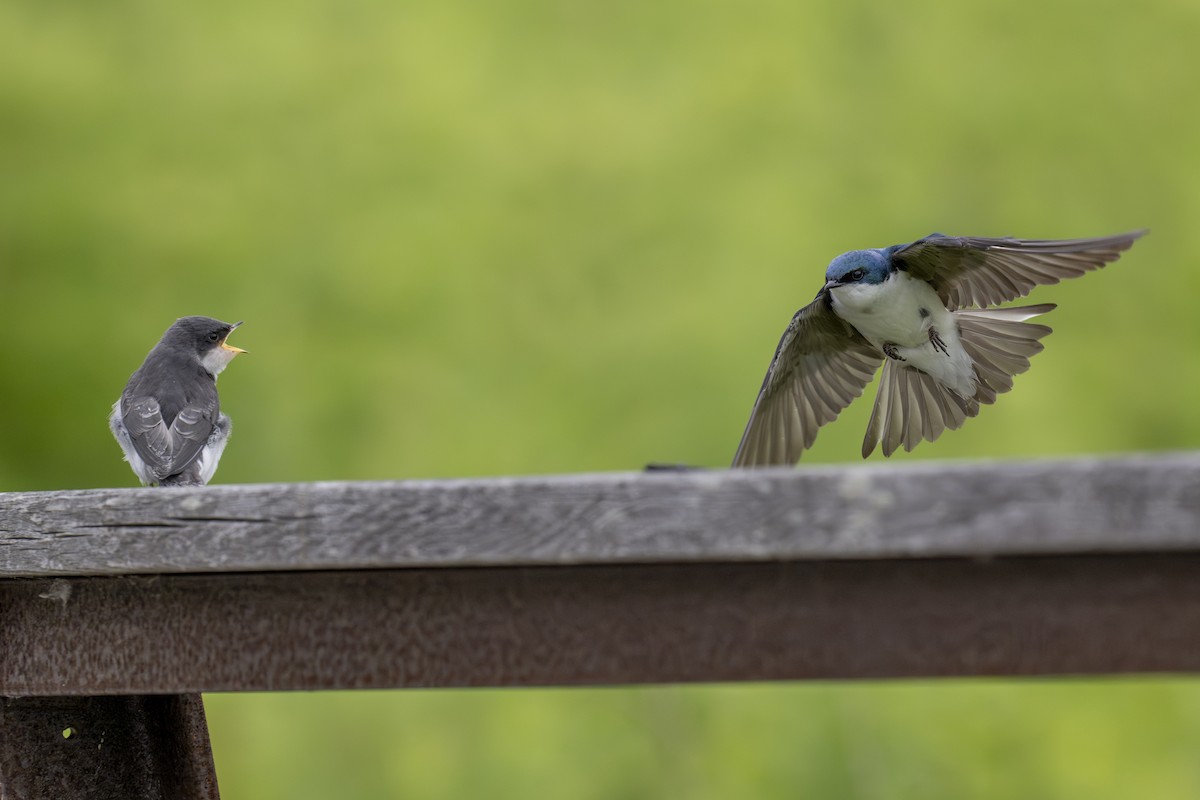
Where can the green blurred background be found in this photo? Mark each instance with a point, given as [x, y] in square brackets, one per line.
[546, 236]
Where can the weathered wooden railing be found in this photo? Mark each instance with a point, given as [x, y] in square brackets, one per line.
[118, 607]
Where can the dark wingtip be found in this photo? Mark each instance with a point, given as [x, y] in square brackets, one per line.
[661, 467]
[1130, 237]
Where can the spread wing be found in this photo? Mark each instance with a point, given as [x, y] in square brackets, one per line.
[971, 271]
[820, 366]
[167, 450]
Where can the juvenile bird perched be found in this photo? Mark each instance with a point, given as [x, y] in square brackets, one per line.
[168, 420]
[920, 308]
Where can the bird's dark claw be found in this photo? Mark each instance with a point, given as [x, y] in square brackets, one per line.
[937, 342]
[891, 351]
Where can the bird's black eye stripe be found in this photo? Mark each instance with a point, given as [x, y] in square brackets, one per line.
[857, 275]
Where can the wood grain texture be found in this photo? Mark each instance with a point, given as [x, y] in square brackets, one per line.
[152, 747]
[958, 509]
[589, 625]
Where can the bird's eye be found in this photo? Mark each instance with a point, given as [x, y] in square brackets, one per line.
[857, 275]
[214, 336]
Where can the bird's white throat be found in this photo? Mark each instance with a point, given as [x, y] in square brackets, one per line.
[900, 310]
[216, 360]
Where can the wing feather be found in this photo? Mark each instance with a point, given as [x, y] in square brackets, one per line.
[971, 271]
[167, 450]
[819, 367]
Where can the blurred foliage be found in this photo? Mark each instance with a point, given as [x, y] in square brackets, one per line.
[549, 236]
[913, 741]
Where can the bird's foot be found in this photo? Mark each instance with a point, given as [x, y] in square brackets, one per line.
[891, 351]
[937, 342]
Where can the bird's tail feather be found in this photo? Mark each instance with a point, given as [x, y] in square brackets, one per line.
[911, 406]
[1000, 343]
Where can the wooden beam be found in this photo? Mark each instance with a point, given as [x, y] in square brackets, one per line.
[1148, 504]
[1056, 567]
[587, 625]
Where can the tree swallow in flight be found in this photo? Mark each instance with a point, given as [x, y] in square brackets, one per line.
[168, 420]
[921, 309]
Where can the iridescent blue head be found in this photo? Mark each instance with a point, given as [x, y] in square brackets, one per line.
[858, 266]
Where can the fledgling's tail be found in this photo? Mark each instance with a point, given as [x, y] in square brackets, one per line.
[911, 406]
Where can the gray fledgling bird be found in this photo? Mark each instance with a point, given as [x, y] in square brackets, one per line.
[919, 308]
[168, 420]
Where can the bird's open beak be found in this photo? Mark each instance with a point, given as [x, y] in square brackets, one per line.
[227, 346]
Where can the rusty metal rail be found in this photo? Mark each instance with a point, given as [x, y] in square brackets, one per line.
[117, 607]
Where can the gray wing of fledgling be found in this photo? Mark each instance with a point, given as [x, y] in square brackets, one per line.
[970, 271]
[167, 450]
[819, 367]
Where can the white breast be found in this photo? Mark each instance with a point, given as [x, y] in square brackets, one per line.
[900, 311]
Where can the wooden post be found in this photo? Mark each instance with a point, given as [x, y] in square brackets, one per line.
[105, 748]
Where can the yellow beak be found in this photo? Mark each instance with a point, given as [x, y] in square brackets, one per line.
[228, 346]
